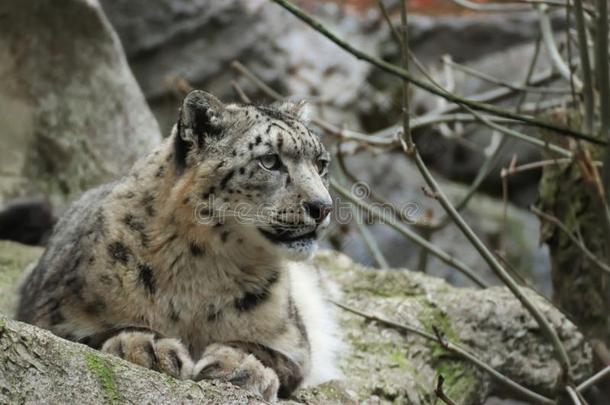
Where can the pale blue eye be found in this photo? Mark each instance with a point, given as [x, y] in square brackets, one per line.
[270, 162]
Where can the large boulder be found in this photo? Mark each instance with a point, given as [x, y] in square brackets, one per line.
[71, 113]
[170, 40]
[380, 364]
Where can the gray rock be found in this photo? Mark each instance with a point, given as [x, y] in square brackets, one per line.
[198, 40]
[381, 365]
[71, 113]
[472, 36]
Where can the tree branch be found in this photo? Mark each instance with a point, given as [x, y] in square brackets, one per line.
[397, 71]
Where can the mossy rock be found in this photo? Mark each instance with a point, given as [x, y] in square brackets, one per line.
[380, 365]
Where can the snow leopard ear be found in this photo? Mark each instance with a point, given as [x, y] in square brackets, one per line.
[298, 108]
[201, 121]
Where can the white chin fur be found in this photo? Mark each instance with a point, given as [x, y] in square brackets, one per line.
[299, 250]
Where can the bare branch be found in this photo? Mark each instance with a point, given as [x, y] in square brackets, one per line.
[549, 41]
[585, 64]
[240, 92]
[573, 396]
[397, 71]
[242, 70]
[440, 394]
[585, 385]
[503, 83]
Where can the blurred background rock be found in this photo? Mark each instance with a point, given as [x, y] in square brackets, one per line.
[54, 149]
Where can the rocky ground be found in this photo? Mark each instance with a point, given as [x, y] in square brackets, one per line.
[380, 364]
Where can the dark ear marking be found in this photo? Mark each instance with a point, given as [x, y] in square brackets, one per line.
[200, 120]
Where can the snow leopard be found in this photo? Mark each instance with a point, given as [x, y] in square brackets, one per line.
[189, 265]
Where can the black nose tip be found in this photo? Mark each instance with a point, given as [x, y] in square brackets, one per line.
[318, 210]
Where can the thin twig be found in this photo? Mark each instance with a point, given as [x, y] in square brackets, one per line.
[500, 82]
[240, 92]
[536, 165]
[404, 47]
[591, 381]
[530, 71]
[369, 240]
[549, 41]
[366, 235]
[515, 273]
[603, 75]
[492, 7]
[516, 134]
[440, 393]
[569, 56]
[554, 3]
[422, 261]
[603, 84]
[386, 16]
[573, 395]
[397, 71]
[585, 64]
[242, 70]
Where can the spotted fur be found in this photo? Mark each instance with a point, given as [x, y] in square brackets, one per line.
[190, 255]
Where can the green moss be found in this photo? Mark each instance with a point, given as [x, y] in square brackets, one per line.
[459, 378]
[432, 317]
[386, 284]
[105, 375]
[399, 358]
[169, 380]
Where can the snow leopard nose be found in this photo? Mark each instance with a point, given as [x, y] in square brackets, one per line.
[318, 210]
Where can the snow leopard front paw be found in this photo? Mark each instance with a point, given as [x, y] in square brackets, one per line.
[166, 355]
[238, 367]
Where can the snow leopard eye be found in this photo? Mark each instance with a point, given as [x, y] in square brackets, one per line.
[270, 162]
[322, 166]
